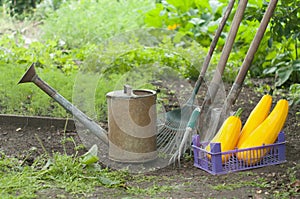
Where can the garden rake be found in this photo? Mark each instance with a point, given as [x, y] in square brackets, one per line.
[174, 134]
[175, 121]
[183, 138]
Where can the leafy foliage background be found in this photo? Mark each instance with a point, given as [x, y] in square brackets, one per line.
[67, 36]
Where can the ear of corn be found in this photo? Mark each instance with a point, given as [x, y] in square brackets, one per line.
[256, 117]
[228, 134]
[266, 133]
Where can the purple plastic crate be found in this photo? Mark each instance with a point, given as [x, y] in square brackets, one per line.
[212, 161]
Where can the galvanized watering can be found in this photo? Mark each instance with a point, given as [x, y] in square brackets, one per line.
[131, 119]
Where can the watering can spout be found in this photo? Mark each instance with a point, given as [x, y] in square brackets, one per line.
[31, 76]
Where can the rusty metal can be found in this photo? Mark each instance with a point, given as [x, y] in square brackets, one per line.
[132, 125]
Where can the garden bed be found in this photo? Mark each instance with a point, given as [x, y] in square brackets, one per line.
[23, 136]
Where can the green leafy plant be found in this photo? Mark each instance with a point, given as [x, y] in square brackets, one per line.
[294, 93]
[285, 36]
[285, 24]
[19, 9]
[44, 8]
[90, 157]
[50, 54]
[195, 19]
[285, 70]
[281, 57]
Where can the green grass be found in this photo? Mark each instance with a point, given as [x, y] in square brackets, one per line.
[61, 171]
[68, 176]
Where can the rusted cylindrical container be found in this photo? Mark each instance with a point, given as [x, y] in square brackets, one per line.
[132, 125]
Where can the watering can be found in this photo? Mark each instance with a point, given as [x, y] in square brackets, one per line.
[131, 119]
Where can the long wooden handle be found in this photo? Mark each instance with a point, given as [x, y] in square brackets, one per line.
[256, 41]
[214, 85]
[235, 89]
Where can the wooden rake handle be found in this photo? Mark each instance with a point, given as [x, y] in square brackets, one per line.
[214, 84]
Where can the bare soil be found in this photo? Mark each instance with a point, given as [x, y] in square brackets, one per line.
[32, 136]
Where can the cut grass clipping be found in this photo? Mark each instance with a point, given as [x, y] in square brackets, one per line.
[61, 171]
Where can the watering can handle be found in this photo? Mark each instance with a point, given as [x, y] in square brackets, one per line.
[127, 90]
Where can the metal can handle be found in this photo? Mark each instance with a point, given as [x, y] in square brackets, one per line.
[127, 89]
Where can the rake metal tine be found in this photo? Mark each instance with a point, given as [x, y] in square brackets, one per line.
[169, 146]
[173, 159]
[163, 146]
[164, 136]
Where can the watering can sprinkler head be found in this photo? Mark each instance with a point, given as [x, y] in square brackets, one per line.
[31, 76]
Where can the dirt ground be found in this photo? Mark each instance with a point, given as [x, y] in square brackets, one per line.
[31, 136]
